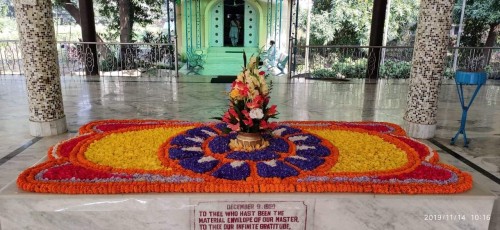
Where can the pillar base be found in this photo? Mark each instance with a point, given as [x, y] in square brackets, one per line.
[419, 130]
[48, 128]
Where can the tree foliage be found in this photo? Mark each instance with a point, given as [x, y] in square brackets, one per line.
[479, 17]
[118, 12]
[4, 9]
[486, 10]
[322, 5]
[347, 22]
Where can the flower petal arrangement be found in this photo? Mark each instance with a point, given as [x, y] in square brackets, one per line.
[249, 109]
[141, 156]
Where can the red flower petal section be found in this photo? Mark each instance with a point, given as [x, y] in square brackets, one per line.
[67, 146]
[422, 150]
[371, 127]
[422, 172]
[69, 171]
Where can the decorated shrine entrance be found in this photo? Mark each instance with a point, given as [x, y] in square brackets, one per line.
[244, 16]
[206, 29]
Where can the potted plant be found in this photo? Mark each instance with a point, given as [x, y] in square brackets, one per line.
[473, 71]
[249, 109]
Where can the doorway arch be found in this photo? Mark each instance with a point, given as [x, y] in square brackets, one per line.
[214, 26]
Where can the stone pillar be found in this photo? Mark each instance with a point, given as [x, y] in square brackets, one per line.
[427, 67]
[38, 47]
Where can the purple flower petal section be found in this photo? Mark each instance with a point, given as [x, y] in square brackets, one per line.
[278, 145]
[288, 130]
[258, 155]
[182, 140]
[227, 171]
[221, 126]
[220, 144]
[311, 140]
[200, 132]
[178, 153]
[305, 162]
[195, 165]
[319, 151]
[279, 170]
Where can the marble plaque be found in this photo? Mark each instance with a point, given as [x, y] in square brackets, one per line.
[215, 215]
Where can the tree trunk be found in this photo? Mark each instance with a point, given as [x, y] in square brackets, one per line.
[75, 13]
[376, 37]
[490, 42]
[125, 12]
[87, 23]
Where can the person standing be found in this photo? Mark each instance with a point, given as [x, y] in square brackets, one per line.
[271, 54]
[234, 31]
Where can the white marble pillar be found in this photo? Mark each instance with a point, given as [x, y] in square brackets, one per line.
[38, 45]
[427, 67]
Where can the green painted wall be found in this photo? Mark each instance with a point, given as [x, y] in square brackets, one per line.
[206, 5]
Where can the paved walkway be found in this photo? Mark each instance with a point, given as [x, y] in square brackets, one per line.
[194, 99]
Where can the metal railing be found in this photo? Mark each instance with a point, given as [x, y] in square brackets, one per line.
[113, 59]
[395, 61]
[11, 61]
[158, 59]
[474, 59]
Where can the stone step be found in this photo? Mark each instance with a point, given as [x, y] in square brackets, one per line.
[248, 50]
[218, 58]
[221, 69]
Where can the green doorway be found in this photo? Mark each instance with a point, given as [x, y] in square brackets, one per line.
[245, 17]
[234, 11]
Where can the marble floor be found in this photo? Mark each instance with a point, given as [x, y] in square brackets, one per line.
[195, 99]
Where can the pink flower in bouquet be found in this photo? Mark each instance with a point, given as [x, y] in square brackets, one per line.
[234, 127]
[233, 113]
[267, 125]
[256, 102]
[272, 110]
[248, 120]
[227, 117]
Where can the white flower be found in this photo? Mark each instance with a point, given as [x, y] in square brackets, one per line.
[256, 113]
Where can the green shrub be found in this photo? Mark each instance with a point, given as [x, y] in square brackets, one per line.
[395, 69]
[108, 64]
[449, 73]
[350, 68]
[324, 73]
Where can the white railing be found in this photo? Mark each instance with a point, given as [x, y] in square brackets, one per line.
[113, 59]
[158, 59]
[395, 61]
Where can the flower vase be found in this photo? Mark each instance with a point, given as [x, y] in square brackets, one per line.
[250, 140]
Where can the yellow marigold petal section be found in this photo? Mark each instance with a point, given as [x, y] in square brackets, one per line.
[362, 152]
[132, 149]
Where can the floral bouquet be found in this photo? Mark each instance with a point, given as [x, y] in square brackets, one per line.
[249, 109]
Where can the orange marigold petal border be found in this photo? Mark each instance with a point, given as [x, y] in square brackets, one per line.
[198, 160]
